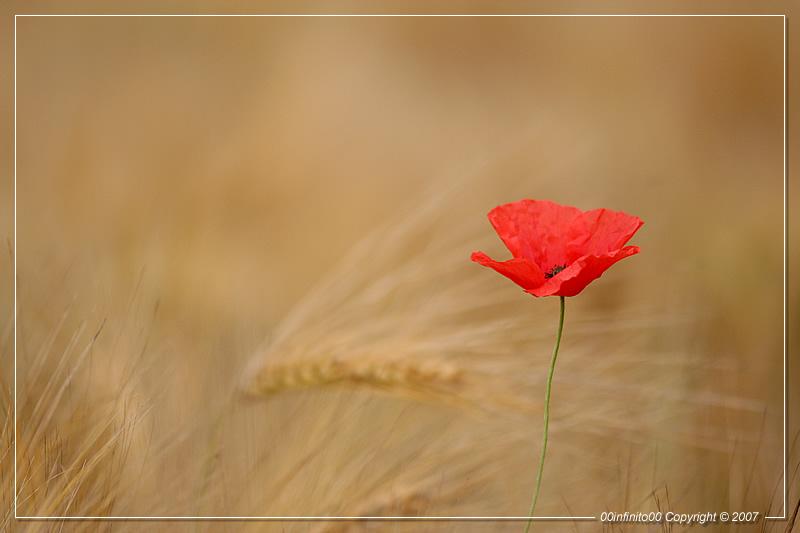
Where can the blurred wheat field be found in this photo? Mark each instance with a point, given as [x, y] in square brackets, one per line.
[244, 285]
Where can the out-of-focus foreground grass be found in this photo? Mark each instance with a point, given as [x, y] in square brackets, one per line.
[188, 191]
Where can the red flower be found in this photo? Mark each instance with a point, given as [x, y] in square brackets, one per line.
[558, 250]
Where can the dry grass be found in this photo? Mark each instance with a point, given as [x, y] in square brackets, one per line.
[57, 473]
[163, 240]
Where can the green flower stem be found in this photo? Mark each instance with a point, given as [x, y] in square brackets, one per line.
[546, 414]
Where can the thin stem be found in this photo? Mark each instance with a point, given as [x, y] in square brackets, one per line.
[546, 414]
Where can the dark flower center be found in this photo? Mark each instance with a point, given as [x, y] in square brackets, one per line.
[555, 270]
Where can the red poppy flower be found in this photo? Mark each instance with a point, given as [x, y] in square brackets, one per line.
[558, 250]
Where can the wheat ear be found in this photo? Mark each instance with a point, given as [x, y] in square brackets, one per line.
[406, 375]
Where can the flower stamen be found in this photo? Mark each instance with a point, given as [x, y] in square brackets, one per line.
[555, 270]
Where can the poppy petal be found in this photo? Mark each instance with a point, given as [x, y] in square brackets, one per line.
[535, 230]
[599, 232]
[521, 271]
[573, 279]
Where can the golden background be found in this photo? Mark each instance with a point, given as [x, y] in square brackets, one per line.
[188, 191]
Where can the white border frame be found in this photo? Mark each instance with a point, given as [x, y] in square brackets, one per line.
[372, 518]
